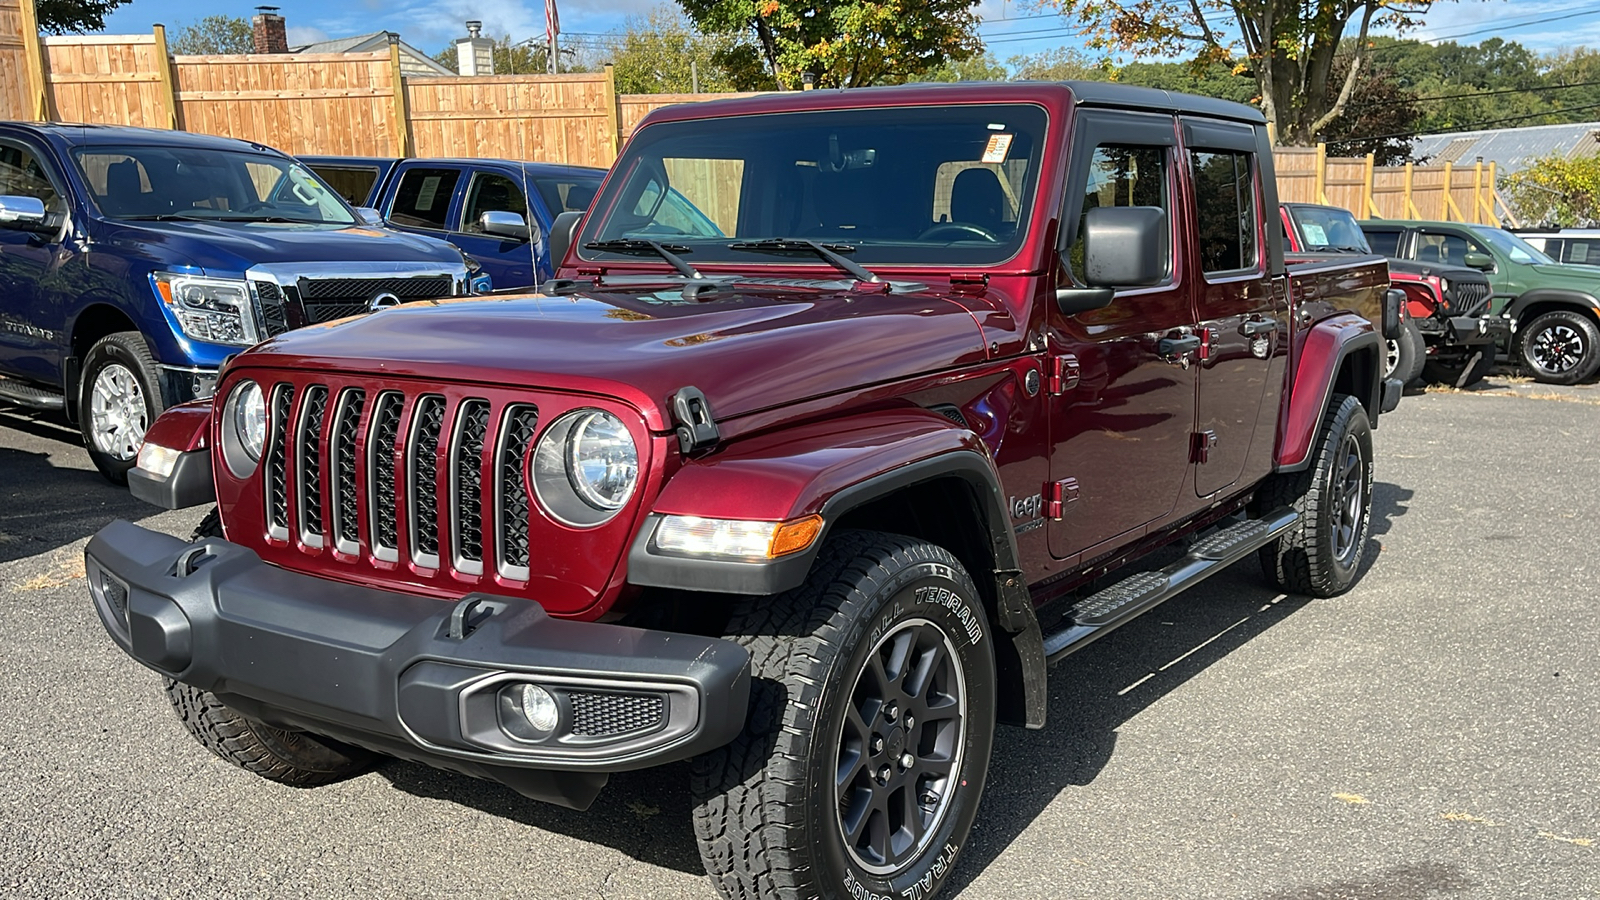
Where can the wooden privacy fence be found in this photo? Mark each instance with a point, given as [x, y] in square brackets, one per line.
[1439, 193]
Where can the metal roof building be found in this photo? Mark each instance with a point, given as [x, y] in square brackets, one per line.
[1510, 149]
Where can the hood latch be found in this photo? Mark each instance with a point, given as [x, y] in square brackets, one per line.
[697, 429]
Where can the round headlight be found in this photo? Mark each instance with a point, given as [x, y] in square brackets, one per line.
[250, 419]
[585, 467]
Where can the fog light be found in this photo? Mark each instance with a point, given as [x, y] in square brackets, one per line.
[538, 707]
[157, 460]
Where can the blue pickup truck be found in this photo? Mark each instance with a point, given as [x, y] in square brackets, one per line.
[497, 210]
[134, 261]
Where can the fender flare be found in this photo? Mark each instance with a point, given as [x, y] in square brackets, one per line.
[810, 470]
[185, 428]
[1328, 345]
[1562, 296]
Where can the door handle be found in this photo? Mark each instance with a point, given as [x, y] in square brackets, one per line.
[1259, 326]
[1178, 346]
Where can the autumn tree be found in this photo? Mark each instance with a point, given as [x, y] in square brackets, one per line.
[1380, 119]
[662, 53]
[1557, 191]
[214, 35]
[1289, 46]
[848, 43]
[62, 16]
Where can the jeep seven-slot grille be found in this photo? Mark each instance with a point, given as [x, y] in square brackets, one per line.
[437, 481]
[1470, 296]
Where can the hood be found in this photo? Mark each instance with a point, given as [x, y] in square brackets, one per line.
[228, 249]
[750, 349]
[1584, 278]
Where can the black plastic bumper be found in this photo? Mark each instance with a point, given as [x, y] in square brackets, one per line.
[415, 677]
[190, 483]
[1393, 388]
[1474, 330]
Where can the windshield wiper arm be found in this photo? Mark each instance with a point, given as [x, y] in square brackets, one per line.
[828, 252]
[168, 217]
[634, 245]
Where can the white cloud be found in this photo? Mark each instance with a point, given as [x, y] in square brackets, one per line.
[299, 36]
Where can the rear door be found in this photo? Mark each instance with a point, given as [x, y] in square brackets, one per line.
[1242, 322]
[1120, 422]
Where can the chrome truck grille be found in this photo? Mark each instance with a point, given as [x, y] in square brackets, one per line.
[287, 298]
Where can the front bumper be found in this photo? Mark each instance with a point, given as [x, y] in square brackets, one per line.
[1467, 331]
[411, 676]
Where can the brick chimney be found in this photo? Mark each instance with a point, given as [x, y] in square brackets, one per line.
[268, 31]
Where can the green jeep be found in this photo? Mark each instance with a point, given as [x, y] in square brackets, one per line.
[1554, 313]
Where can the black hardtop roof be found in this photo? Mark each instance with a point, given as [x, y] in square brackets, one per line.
[1105, 93]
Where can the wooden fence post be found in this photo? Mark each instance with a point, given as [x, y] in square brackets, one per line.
[38, 99]
[1368, 188]
[1411, 210]
[164, 61]
[613, 114]
[402, 118]
[1477, 192]
[1322, 174]
[1450, 205]
[1486, 203]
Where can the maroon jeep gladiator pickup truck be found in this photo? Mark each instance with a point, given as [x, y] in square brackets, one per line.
[848, 414]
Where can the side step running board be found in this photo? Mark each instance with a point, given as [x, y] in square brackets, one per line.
[1101, 612]
[23, 394]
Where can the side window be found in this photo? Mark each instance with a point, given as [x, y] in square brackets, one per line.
[1226, 207]
[423, 198]
[563, 195]
[1385, 243]
[1122, 175]
[21, 175]
[1581, 251]
[1446, 249]
[353, 184]
[491, 192]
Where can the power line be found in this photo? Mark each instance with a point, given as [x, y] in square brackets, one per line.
[1470, 126]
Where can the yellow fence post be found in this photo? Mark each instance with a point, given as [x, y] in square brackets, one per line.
[164, 61]
[1411, 207]
[1449, 195]
[38, 99]
[1322, 173]
[1477, 191]
[1484, 198]
[1369, 188]
[402, 119]
[613, 115]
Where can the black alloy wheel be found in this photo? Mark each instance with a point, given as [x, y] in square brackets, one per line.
[1561, 347]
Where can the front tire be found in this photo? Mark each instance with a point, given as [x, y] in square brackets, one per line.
[1460, 368]
[1406, 353]
[1320, 555]
[830, 791]
[120, 396]
[1561, 347]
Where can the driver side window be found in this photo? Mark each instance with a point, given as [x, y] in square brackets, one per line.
[21, 175]
[1123, 175]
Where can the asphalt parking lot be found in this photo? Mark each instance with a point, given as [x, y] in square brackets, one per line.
[1433, 733]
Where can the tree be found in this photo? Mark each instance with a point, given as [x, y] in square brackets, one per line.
[62, 16]
[214, 35]
[1289, 45]
[662, 53]
[1557, 191]
[974, 68]
[1380, 119]
[848, 43]
[525, 57]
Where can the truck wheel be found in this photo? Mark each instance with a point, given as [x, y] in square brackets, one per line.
[1561, 347]
[287, 757]
[120, 396]
[1320, 554]
[872, 715]
[1461, 368]
[1406, 353]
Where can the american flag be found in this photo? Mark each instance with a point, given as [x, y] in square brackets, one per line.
[552, 21]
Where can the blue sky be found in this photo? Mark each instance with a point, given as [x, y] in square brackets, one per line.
[1010, 27]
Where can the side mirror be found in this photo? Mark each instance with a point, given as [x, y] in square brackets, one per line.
[1123, 246]
[563, 231]
[366, 215]
[504, 224]
[1483, 262]
[22, 213]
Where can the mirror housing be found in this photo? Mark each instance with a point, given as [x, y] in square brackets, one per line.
[501, 223]
[22, 213]
[563, 231]
[1123, 247]
[1483, 262]
[366, 215]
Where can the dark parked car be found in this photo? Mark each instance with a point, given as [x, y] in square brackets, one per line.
[134, 261]
[497, 210]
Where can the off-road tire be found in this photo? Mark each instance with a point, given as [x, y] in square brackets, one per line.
[209, 527]
[127, 350]
[287, 757]
[1407, 350]
[1312, 557]
[1578, 328]
[767, 817]
[1461, 368]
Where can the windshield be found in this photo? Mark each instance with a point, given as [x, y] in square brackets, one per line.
[1322, 228]
[1519, 250]
[131, 183]
[946, 185]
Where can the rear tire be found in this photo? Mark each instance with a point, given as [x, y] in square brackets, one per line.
[118, 399]
[828, 793]
[1560, 347]
[1320, 555]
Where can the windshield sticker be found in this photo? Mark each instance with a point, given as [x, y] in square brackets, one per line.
[430, 190]
[1315, 234]
[999, 146]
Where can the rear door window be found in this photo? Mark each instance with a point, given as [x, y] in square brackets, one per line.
[353, 183]
[422, 199]
[1226, 207]
[1581, 251]
[1384, 241]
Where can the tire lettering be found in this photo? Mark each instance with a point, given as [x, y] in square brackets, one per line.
[939, 596]
[923, 886]
[855, 890]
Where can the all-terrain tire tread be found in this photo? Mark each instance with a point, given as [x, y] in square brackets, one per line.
[1294, 562]
[240, 741]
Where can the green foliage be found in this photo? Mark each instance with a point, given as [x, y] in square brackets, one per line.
[1493, 84]
[516, 58]
[1557, 191]
[975, 68]
[849, 43]
[1381, 118]
[214, 35]
[660, 53]
[62, 16]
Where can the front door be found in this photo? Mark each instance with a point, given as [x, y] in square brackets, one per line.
[1242, 324]
[1119, 428]
[31, 321]
[509, 261]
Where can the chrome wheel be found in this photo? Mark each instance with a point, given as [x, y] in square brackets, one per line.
[1556, 349]
[900, 746]
[118, 414]
[1391, 359]
[1345, 497]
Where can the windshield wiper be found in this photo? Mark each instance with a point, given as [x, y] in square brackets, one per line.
[168, 217]
[276, 220]
[635, 245]
[828, 252]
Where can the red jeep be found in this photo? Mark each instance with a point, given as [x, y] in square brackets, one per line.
[849, 413]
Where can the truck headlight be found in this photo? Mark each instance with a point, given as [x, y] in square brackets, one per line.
[244, 428]
[585, 467]
[215, 310]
